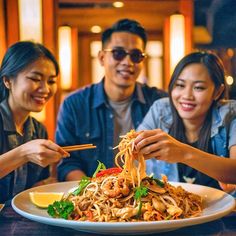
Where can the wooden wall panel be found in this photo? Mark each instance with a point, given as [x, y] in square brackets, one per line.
[75, 58]
[3, 45]
[186, 8]
[85, 76]
[12, 22]
[50, 41]
[166, 53]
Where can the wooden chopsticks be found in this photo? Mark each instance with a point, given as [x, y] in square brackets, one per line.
[78, 147]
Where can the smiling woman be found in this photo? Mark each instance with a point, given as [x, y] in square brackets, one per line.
[28, 80]
[195, 125]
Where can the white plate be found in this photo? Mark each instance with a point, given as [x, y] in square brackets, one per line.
[218, 204]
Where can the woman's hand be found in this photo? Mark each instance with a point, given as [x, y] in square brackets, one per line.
[42, 152]
[158, 144]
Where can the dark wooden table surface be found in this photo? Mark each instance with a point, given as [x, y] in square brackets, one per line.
[12, 223]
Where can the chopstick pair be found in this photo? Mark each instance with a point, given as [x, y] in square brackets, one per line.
[78, 147]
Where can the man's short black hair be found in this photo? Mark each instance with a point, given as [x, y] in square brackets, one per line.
[125, 25]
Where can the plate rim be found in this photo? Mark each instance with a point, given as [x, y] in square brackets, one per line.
[82, 225]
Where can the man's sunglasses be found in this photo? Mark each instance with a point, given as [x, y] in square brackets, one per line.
[119, 54]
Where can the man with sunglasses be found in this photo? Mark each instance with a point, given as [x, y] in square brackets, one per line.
[101, 112]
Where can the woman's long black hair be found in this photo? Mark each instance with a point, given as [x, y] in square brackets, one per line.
[216, 71]
[18, 57]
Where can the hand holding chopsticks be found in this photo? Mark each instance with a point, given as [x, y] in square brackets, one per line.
[78, 147]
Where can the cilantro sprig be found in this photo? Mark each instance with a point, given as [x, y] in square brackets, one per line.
[60, 209]
[140, 192]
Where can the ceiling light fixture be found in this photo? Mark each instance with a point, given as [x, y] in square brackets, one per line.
[229, 80]
[118, 4]
[96, 29]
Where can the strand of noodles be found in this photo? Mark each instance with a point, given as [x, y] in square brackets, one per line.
[128, 157]
[141, 167]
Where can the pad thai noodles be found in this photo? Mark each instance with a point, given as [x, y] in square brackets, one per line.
[126, 194]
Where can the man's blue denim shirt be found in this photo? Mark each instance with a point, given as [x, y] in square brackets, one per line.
[86, 117]
[223, 132]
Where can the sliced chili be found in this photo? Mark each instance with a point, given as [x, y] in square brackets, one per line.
[109, 171]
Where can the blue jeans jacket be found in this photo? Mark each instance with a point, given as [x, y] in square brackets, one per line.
[27, 175]
[223, 134]
[86, 117]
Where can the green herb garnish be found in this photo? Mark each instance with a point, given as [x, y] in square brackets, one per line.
[60, 209]
[101, 166]
[139, 193]
[82, 184]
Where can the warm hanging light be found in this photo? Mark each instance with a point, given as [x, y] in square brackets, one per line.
[229, 80]
[30, 20]
[118, 4]
[65, 56]
[177, 39]
[96, 29]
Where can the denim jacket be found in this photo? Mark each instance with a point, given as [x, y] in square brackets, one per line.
[27, 175]
[85, 116]
[223, 131]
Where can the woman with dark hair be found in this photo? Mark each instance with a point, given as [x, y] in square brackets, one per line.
[196, 125]
[28, 79]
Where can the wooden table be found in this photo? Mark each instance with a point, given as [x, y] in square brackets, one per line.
[12, 223]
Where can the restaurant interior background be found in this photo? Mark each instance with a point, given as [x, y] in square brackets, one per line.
[71, 29]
